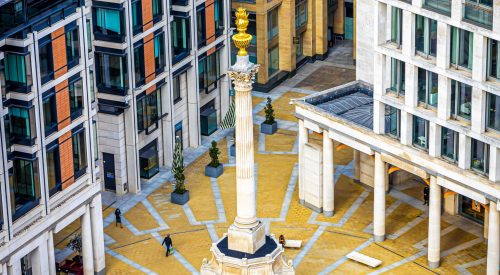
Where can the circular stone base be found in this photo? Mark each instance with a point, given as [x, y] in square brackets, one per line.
[269, 259]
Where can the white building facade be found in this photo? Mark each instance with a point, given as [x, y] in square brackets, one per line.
[432, 68]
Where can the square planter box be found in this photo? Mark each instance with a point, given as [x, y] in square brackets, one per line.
[269, 129]
[232, 150]
[180, 199]
[214, 172]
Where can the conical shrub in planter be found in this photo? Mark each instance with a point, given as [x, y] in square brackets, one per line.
[214, 169]
[180, 194]
[270, 125]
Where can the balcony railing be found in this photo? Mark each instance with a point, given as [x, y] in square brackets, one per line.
[478, 14]
[441, 6]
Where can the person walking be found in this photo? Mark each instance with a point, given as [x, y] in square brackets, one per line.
[426, 195]
[168, 243]
[118, 218]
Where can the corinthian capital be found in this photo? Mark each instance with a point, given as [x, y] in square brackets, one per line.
[244, 79]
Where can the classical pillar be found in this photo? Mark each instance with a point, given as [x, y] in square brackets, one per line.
[51, 252]
[88, 261]
[246, 234]
[493, 257]
[328, 178]
[97, 235]
[39, 259]
[303, 140]
[379, 199]
[14, 267]
[434, 238]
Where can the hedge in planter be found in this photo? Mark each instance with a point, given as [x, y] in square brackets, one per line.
[180, 194]
[214, 169]
[270, 125]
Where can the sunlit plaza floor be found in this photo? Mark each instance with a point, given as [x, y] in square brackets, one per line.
[149, 216]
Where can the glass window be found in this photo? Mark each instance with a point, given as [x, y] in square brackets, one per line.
[157, 10]
[480, 156]
[159, 43]
[148, 110]
[17, 72]
[176, 87]
[50, 114]
[493, 112]
[178, 132]
[449, 144]
[72, 47]
[300, 13]
[201, 33]
[54, 171]
[392, 121]
[89, 36]
[273, 60]
[397, 76]
[24, 187]
[462, 44]
[441, 6]
[181, 38]
[396, 25]
[94, 136]
[137, 16]
[420, 132]
[209, 72]
[272, 24]
[79, 154]
[111, 72]
[46, 62]
[493, 59]
[471, 209]
[91, 85]
[425, 35]
[427, 87]
[108, 24]
[461, 96]
[219, 17]
[76, 98]
[479, 12]
[22, 125]
[139, 69]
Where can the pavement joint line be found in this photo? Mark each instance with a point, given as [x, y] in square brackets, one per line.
[262, 142]
[298, 259]
[129, 262]
[388, 211]
[289, 191]
[357, 203]
[463, 267]
[189, 214]
[400, 196]
[461, 247]
[178, 256]
[219, 204]
[342, 260]
[420, 245]
[408, 227]
[152, 211]
[212, 232]
[108, 240]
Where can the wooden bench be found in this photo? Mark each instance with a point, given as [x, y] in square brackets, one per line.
[293, 243]
[369, 261]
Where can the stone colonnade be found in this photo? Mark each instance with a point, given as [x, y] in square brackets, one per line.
[379, 208]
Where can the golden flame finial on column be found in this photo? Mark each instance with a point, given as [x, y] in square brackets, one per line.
[242, 39]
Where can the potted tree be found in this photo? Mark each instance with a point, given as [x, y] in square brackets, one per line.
[270, 125]
[180, 195]
[75, 244]
[214, 169]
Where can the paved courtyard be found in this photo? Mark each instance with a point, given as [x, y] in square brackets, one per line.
[149, 216]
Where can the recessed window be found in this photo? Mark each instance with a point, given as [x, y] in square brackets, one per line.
[89, 36]
[218, 16]
[493, 112]
[53, 170]
[72, 46]
[425, 35]
[396, 25]
[79, 154]
[441, 6]
[462, 45]
[181, 38]
[209, 72]
[24, 187]
[480, 156]
[493, 59]
[148, 110]
[273, 60]
[300, 13]
[76, 98]
[108, 24]
[22, 125]
[272, 24]
[201, 32]
[397, 77]
[176, 87]
[46, 60]
[449, 144]
[392, 121]
[479, 12]
[50, 114]
[137, 16]
[111, 72]
[17, 72]
[139, 69]
[420, 133]
[159, 44]
[427, 87]
[157, 10]
[94, 137]
[461, 104]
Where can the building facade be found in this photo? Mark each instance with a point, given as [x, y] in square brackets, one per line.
[160, 72]
[289, 33]
[428, 104]
[48, 173]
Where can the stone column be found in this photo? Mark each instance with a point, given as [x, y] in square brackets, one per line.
[14, 267]
[379, 199]
[97, 235]
[328, 176]
[434, 238]
[39, 259]
[493, 261]
[303, 139]
[51, 252]
[246, 234]
[88, 261]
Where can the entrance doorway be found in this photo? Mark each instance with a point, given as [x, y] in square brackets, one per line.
[109, 171]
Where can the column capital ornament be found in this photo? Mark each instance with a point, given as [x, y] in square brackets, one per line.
[243, 80]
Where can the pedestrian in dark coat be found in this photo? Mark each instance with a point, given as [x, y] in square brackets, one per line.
[168, 243]
[426, 195]
[118, 217]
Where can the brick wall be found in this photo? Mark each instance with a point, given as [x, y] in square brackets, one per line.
[62, 105]
[66, 159]
[210, 23]
[147, 14]
[59, 52]
[149, 58]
